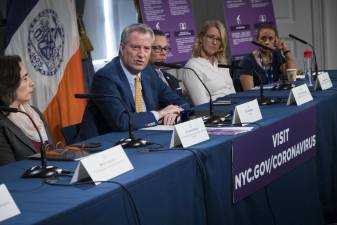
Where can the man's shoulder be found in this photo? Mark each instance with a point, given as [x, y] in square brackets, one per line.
[110, 66]
[111, 71]
[149, 70]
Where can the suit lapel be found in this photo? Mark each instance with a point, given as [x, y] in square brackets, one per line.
[147, 92]
[125, 89]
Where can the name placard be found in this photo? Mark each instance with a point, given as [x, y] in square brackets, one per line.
[248, 112]
[189, 133]
[8, 208]
[299, 95]
[102, 166]
[323, 81]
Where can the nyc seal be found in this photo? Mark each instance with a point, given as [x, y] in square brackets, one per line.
[46, 42]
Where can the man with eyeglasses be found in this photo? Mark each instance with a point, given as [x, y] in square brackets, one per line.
[159, 53]
[135, 87]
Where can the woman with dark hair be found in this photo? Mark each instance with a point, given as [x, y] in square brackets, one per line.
[18, 137]
[209, 50]
[269, 65]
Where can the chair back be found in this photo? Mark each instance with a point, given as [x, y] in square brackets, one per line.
[70, 133]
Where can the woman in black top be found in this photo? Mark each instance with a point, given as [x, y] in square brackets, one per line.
[269, 65]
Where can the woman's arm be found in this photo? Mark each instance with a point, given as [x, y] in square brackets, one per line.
[290, 59]
[246, 81]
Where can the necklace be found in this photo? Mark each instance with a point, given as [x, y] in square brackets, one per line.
[268, 69]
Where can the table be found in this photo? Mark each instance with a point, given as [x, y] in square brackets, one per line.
[172, 187]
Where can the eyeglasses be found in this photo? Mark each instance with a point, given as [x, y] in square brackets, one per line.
[212, 38]
[159, 49]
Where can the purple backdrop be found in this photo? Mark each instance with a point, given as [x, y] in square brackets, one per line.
[269, 152]
[242, 19]
[176, 20]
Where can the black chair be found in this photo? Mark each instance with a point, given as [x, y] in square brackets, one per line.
[236, 76]
[70, 133]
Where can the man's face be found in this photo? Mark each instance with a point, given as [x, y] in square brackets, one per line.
[135, 54]
[160, 49]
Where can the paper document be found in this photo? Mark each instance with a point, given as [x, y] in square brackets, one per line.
[159, 127]
[228, 130]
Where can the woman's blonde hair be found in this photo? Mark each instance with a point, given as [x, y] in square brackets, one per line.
[221, 55]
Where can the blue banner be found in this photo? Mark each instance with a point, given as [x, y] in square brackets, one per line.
[269, 152]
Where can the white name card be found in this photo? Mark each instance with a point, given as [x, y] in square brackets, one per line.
[8, 208]
[323, 81]
[102, 166]
[299, 95]
[189, 133]
[248, 112]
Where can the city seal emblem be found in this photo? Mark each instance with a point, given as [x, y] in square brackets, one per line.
[46, 42]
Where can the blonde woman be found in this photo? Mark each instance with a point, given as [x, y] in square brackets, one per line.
[209, 50]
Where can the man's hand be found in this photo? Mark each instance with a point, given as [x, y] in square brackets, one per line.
[169, 114]
[170, 109]
[170, 119]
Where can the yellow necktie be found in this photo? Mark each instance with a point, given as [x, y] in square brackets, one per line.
[138, 94]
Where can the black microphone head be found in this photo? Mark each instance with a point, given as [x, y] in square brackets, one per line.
[169, 65]
[263, 46]
[93, 95]
[8, 109]
[298, 39]
[229, 66]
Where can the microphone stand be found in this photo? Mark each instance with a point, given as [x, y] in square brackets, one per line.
[212, 118]
[313, 50]
[131, 141]
[262, 100]
[42, 171]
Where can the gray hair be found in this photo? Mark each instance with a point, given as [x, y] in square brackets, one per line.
[137, 27]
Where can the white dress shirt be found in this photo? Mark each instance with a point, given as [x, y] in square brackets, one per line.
[131, 80]
[217, 80]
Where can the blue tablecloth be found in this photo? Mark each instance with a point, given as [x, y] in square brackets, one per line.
[183, 187]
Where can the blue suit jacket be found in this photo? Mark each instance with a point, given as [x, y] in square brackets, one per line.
[173, 82]
[110, 113]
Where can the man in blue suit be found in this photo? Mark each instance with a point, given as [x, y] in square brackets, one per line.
[160, 105]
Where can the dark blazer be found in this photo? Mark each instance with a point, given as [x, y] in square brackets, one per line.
[14, 144]
[173, 82]
[110, 113]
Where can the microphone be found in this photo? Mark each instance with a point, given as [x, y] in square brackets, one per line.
[177, 66]
[284, 85]
[263, 46]
[169, 65]
[298, 39]
[233, 67]
[42, 171]
[89, 96]
[131, 141]
[313, 50]
[212, 118]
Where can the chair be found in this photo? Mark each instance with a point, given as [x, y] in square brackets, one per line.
[236, 76]
[70, 133]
